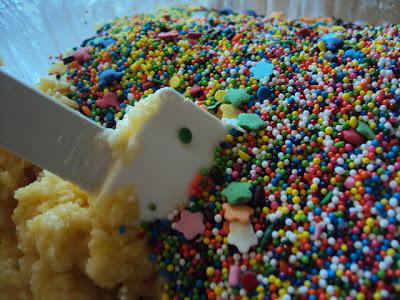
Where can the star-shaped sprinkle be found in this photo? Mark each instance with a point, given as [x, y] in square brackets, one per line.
[250, 121]
[190, 224]
[237, 192]
[107, 77]
[194, 35]
[236, 97]
[106, 42]
[334, 43]
[82, 54]
[242, 236]
[168, 36]
[262, 69]
[229, 111]
[240, 213]
[232, 123]
[109, 99]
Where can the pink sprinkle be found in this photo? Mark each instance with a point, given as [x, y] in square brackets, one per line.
[349, 182]
[274, 205]
[353, 137]
[317, 231]
[234, 273]
[168, 36]
[109, 99]
[82, 54]
[391, 228]
[190, 224]
[235, 174]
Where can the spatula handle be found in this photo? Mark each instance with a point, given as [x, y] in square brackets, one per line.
[51, 135]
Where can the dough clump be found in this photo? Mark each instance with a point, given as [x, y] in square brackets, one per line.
[58, 243]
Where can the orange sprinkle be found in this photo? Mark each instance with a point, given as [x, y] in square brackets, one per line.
[86, 110]
[240, 213]
[237, 37]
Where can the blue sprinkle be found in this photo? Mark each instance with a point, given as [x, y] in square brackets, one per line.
[251, 13]
[353, 54]
[122, 229]
[262, 69]
[334, 43]
[263, 93]
[107, 77]
[106, 42]
[109, 116]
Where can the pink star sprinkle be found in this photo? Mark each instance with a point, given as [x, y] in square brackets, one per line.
[168, 36]
[190, 224]
[109, 99]
[82, 54]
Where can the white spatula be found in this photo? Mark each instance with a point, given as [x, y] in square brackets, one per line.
[61, 140]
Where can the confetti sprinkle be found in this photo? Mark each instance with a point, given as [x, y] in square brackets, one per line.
[108, 77]
[229, 111]
[190, 224]
[326, 189]
[262, 69]
[237, 97]
[237, 192]
[250, 121]
[82, 54]
[242, 236]
[109, 100]
[240, 213]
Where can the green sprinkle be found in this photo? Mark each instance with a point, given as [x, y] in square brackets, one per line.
[250, 121]
[266, 239]
[152, 207]
[327, 198]
[185, 135]
[365, 130]
[214, 105]
[236, 97]
[237, 192]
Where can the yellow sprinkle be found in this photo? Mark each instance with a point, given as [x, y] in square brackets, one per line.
[321, 46]
[164, 297]
[175, 81]
[229, 138]
[229, 111]
[219, 96]
[353, 122]
[210, 271]
[218, 290]
[244, 155]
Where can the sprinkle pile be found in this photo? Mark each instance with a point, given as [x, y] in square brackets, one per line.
[302, 200]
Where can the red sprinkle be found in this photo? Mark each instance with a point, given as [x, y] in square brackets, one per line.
[147, 85]
[195, 90]
[353, 137]
[194, 35]
[249, 281]
[304, 32]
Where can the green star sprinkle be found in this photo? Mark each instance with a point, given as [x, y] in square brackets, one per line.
[237, 97]
[237, 192]
[250, 121]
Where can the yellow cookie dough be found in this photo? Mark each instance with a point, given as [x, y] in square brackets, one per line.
[58, 243]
